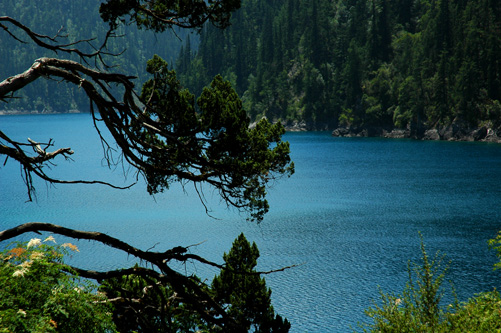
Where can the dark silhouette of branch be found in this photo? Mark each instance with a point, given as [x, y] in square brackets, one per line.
[178, 253]
[151, 144]
[153, 257]
[160, 135]
[51, 43]
[189, 289]
[36, 164]
[159, 15]
[162, 138]
[183, 285]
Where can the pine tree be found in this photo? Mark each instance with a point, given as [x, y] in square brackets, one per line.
[245, 291]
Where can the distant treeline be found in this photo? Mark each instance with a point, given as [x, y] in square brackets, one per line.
[386, 63]
[79, 19]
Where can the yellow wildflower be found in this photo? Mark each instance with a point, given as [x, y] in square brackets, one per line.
[36, 255]
[71, 247]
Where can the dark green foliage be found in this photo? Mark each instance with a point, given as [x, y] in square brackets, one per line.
[159, 15]
[145, 304]
[245, 292]
[213, 144]
[319, 60]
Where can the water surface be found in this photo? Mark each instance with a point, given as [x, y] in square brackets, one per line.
[351, 215]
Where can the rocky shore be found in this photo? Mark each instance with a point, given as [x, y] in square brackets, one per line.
[447, 133]
[453, 132]
[33, 112]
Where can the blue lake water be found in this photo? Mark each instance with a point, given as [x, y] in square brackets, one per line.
[351, 215]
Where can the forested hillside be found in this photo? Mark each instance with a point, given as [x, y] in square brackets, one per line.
[78, 20]
[379, 63]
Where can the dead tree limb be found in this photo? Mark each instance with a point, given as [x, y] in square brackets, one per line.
[37, 164]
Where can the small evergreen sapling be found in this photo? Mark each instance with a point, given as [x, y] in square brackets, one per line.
[244, 291]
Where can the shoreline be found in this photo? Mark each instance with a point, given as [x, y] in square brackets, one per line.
[442, 133]
[35, 112]
[452, 132]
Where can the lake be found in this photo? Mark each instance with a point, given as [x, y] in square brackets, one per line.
[350, 215]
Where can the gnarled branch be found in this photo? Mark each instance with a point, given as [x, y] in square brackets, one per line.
[51, 43]
[189, 290]
[181, 284]
[36, 164]
[166, 140]
[160, 133]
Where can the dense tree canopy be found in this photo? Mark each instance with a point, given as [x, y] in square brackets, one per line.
[360, 63]
[75, 20]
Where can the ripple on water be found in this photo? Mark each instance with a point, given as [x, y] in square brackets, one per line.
[350, 215]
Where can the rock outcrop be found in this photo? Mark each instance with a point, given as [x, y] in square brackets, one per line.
[452, 132]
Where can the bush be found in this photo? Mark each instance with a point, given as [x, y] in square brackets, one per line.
[419, 309]
[38, 293]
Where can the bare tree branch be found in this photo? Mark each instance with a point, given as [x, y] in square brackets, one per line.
[188, 288]
[35, 164]
[154, 257]
[53, 44]
[178, 253]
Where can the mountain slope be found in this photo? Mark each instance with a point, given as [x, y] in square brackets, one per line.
[380, 63]
[78, 19]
